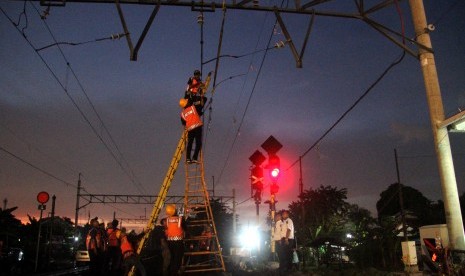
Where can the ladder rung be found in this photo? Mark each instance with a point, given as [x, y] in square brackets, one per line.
[202, 269]
[198, 253]
[197, 192]
[204, 221]
[199, 238]
[190, 206]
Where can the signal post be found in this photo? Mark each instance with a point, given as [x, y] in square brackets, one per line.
[271, 146]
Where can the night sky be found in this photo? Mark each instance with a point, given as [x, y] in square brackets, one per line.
[138, 103]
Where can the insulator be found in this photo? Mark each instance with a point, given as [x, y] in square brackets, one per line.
[279, 44]
[200, 19]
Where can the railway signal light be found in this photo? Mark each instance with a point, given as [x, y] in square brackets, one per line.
[256, 176]
[274, 167]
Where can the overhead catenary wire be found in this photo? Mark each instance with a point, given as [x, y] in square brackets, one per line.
[446, 12]
[131, 173]
[37, 168]
[112, 37]
[275, 46]
[248, 104]
[364, 94]
[37, 149]
[65, 90]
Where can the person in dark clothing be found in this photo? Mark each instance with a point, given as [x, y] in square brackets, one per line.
[195, 85]
[95, 246]
[191, 119]
[174, 232]
[288, 242]
[113, 254]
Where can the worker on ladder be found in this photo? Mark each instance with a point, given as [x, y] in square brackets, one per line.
[174, 236]
[196, 90]
[194, 85]
[190, 118]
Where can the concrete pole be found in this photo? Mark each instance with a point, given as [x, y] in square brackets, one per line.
[52, 218]
[36, 263]
[441, 136]
[78, 194]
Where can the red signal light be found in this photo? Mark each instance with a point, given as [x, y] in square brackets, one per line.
[274, 173]
[274, 166]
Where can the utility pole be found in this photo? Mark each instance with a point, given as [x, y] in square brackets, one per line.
[440, 134]
[39, 222]
[234, 211]
[50, 238]
[301, 191]
[401, 198]
[78, 194]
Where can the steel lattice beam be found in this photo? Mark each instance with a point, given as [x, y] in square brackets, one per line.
[309, 8]
[137, 199]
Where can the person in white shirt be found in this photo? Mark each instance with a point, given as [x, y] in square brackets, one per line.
[277, 236]
[287, 243]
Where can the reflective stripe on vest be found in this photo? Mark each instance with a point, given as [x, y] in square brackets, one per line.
[174, 230]
[94, 241]
[112, 239]
[195, 85]
[191, 117]
[126, 246]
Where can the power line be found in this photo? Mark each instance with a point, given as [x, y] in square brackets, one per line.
[247, 105]
[37, 168]
[349, 109]
[65, 90]
[396, 62]
[112, 37]
[30, 145]
[441, 17]
[132, 176]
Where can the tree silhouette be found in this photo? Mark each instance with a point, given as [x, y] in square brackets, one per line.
[415, 203]
[325, 214]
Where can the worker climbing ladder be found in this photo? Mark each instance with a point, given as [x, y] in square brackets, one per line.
[203, 251]
[202, 247]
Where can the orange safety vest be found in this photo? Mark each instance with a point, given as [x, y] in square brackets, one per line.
[194, 85]
[112, 239]
[126, 246]
[174, 230]
[191, 117]
[94, 243]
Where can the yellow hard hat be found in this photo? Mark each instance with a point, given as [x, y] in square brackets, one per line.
[170, 209]
[182, 102]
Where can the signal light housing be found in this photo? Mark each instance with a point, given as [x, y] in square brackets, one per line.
[273, 166]
[274, 173]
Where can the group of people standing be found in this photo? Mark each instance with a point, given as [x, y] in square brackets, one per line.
[110, 251]
[284, 241]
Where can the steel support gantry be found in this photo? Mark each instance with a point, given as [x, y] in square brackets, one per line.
[312, 8]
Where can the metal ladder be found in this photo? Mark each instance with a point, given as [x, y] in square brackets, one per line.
[158, 205]
[202, 248]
